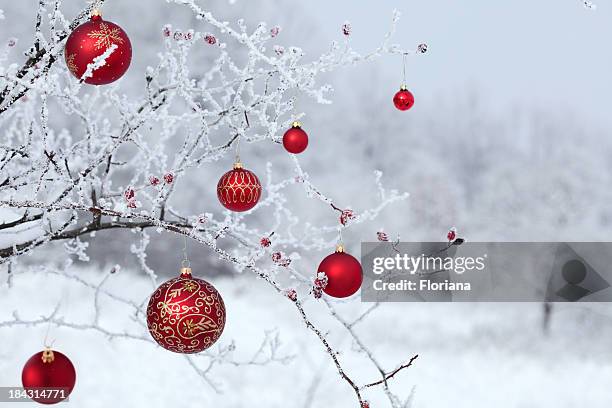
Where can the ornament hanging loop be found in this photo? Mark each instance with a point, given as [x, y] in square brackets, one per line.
[237, 163]
[403, 86]
[340, 245]
[46, 343]
[185, 264]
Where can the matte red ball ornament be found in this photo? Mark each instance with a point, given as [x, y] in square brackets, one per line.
[295, 140]
[91, 40]
[344, 274]
[186, 314]
[403, 99]
[49, 376]
[239, 189]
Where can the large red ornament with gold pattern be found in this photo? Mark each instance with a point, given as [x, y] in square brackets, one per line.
[91, 40]
[48, 377]
[343, 272]
[239, 189]
[186, 314]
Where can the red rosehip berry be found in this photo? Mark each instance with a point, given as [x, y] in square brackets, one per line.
[346, 216]
[321, 280]
[452, 234]
[284, 262]
[291, 294]
[210, 39]
[129, 193]
[346, 28]
[382, 236]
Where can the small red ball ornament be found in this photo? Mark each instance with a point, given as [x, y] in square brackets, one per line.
[239, 189]
[91, 40]
[403, 99]
[344, 274]
[295, 140]
[186, 314]
[49, 376]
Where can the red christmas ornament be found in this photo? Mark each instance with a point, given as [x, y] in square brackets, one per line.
[403, 99]
[186, 314]
[295, 139]
[239, 189]
[51, 370]
[344, 274]
[91, 40]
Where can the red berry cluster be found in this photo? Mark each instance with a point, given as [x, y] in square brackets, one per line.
[278, 259]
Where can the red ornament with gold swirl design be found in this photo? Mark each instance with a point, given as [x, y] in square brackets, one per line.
[239, 189]
[186, 314]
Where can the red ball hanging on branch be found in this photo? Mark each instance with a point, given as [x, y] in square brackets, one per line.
[49, 370]
[239, 189]
[186, 314]
[403, 99]
[343, 273]
[295, 140]
[93, 39]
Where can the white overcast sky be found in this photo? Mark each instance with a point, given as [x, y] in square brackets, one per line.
[543, 54]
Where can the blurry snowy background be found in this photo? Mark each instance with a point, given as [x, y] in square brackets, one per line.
[508, 140]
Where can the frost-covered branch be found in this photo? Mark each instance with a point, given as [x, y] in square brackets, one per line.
[124, 163]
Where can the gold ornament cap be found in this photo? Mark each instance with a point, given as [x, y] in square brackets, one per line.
[296, 124]
[403, 87]
[185, 270]
[96, 14]
[340, 248]
[47, 355]
[237, 165]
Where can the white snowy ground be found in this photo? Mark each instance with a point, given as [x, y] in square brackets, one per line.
[471, 355]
